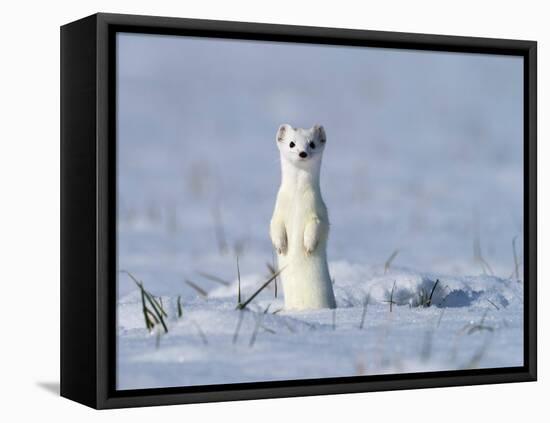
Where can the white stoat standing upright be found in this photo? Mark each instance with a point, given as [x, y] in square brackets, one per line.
[299, 226]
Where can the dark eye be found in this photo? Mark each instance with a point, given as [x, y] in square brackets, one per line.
[312, 144]
[291, 145]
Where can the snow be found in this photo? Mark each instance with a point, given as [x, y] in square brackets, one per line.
[423, 157]
[473, 322]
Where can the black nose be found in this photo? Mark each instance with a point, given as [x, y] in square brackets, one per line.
[303, 154]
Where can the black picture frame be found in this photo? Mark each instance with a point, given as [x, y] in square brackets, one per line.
[88, 210]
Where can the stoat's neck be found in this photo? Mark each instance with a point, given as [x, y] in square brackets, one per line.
[295, 178]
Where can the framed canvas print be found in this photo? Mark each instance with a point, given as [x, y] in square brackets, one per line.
[257, 211]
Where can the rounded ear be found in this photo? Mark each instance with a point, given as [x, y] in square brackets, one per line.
[283, 130]
[321, 134]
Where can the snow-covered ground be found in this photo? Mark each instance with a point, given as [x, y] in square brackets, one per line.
[424, 157]
[473, 322]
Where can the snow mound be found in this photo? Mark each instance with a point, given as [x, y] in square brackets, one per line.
[355, 283]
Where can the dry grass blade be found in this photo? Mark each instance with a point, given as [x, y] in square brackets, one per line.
[214, 278]
[157, 312]
[154, 303]
[433, 290]
[516, 261]
[493, 304]
[131, 276]
[201, 333]
[478, 255]
[148, 324]
[288, 325]
[478, 355]
[348, 302]
[243, 305]
[272, 269]
[238, 328]
[273, 266]
[428, 302]
[444, 300]
[391, 302]
[364, 313]
[157, 340]
[390, 260]
[259, 317]
[309, 325]
[197, 288]
[268, 330]
[486, 265]
[180, 310]
[152, 317]
[391, 295]
[239, 282]
[156, 309]
[478, 327]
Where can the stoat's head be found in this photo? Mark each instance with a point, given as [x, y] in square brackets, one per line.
[302, 147]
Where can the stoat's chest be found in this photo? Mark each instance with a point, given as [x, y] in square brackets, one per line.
[300, 205]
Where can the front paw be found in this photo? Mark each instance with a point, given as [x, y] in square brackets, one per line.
[309, 248]
[281, 246]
